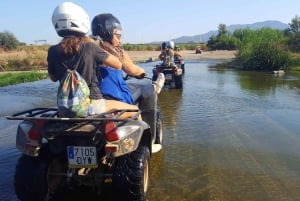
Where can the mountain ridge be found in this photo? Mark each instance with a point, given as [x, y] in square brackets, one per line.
[257, 25]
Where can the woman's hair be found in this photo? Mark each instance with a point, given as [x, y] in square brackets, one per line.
[71, 45]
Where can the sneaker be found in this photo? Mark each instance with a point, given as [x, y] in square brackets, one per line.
[159, 83]
[156, 148]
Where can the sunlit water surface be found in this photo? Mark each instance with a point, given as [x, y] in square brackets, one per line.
[228, 136]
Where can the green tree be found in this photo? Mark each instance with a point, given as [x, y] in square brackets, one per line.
[211, 43]
[293, 34]
[223, 41]
[295, 24]
[222, 30]
[8, 40]
[241, 34]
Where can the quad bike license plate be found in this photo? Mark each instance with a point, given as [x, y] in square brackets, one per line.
[82, 157]
[168, 76]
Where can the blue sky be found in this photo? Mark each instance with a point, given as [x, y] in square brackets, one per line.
[145, 21]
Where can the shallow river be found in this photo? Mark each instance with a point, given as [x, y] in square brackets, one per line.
[228, 136]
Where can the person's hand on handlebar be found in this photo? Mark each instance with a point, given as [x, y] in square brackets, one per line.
[141, 76]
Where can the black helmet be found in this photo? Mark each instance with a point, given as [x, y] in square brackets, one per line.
[163, 45]
[103, 25]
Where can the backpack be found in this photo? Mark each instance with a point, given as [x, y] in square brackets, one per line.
[73, 95]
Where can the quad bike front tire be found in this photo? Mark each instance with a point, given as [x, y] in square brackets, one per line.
[131, 176]
[154, 74]
[183, 68]
[159, 129]
[30, 180]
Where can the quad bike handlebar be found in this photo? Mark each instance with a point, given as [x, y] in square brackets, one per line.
[139, 77]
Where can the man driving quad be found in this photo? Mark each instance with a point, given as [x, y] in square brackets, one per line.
[167, 54]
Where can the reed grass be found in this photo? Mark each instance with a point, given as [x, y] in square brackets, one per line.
[13, 78]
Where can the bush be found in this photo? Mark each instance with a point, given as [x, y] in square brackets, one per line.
[264, 49]
[8, 41]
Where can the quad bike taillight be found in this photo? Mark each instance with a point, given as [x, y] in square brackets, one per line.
[28, 137]
[35, 131]
[121, 137]
[111, 131]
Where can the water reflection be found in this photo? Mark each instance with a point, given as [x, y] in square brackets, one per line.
[169, 103]
[262, 82]
[27, 95]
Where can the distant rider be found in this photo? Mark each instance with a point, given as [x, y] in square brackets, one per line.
[167, 55]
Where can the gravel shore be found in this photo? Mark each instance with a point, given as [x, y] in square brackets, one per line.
[139, 56]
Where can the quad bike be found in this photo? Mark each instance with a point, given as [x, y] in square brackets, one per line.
[198, 50]
[173, 74]
[63, 154]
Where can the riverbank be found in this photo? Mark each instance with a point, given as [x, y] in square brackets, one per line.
[136, 56]
[140, 56]
[38, 58]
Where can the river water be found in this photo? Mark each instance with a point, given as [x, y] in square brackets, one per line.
[228, 135]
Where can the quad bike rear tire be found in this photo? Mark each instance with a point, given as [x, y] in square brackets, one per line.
[131, 175]
[30, 181]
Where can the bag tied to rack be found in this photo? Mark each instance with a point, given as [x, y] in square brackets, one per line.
[73, 95]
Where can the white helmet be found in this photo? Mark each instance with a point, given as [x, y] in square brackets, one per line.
[70, 19]
[170, 44]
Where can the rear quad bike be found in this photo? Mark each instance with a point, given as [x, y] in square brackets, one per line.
[62, 155]
[172, 72]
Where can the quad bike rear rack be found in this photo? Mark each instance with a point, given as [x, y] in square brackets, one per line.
[51, 114]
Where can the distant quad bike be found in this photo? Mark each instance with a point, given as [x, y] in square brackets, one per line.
[63, 154]
[173, 73]
[198, 50]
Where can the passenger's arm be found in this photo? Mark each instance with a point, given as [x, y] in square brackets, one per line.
[130, 68]
[177, 54]
[52, 77]
[161, 56]
[113, 62]
[51, 64]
